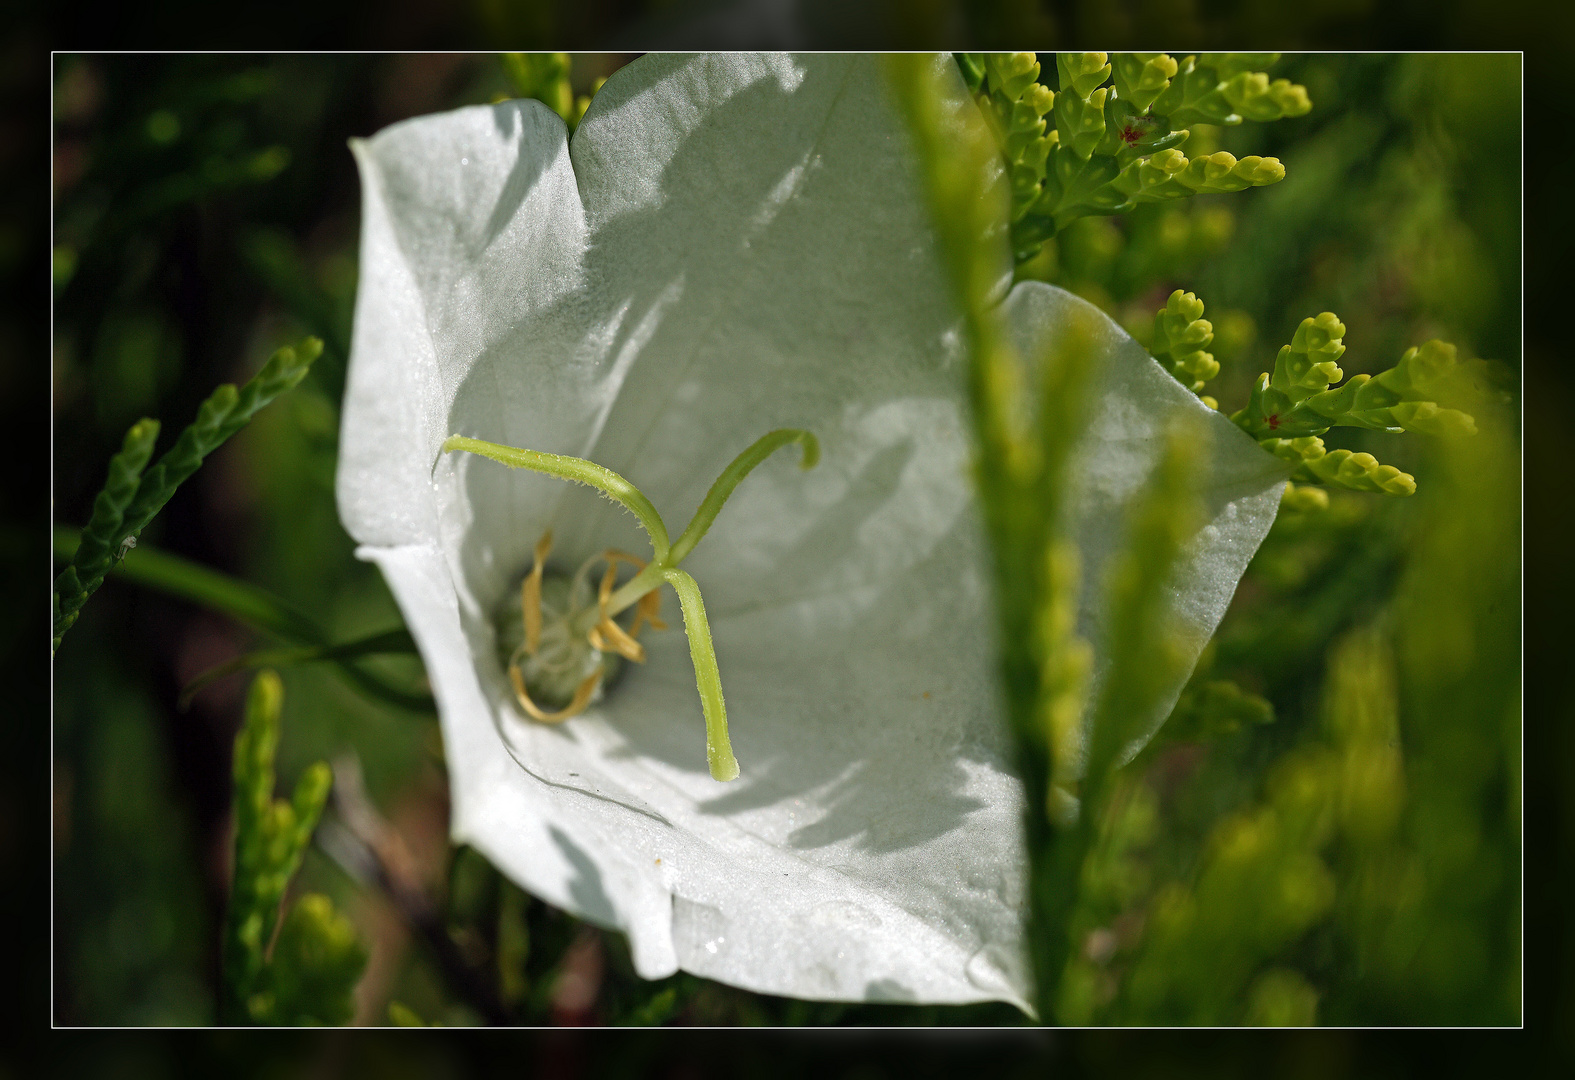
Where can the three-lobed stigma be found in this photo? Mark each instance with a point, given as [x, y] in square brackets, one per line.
[566, 645]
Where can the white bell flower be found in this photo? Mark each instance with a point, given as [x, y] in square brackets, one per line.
[727, 246]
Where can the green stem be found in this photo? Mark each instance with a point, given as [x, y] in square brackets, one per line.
[154, 569]
[579, 471]
[382, 643]
[718, 748]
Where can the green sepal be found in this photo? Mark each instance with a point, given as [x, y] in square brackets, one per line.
[1141, 77]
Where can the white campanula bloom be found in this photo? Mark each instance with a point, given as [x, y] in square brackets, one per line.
[726, 246]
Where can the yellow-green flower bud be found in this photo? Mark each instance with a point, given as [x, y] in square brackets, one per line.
[1308, 364]
[1181, 336]
[1429, 419]
[1142, 77]
[1362, 472]
[1082, 72]
[1259, 171]
[1422, 368]
[1212, 173]
[1011, 74]
[1304, 499]
[1251, 94]
[1291, 97]
[1039, 98]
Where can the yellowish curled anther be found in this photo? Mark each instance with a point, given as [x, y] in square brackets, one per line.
[605, 636]
[530, 595]
[582, 697]
[648, 610]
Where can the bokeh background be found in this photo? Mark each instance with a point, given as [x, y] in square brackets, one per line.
[206, 211]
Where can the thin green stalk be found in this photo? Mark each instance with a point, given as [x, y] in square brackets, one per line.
[151, 568]
[380, 644]
[1022, 458]
[155, 569]
[740, 467]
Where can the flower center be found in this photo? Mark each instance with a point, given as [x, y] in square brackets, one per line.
[561, 638]
[558, 641]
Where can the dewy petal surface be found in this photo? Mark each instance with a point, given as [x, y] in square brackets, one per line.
[729, 245]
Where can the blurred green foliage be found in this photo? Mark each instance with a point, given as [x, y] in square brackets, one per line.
[130, 498]
[301, 970]
[1348, 748]
[545, 77]
[1082, 148]
[1342, 808]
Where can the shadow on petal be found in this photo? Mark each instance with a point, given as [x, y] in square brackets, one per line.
[590, 898]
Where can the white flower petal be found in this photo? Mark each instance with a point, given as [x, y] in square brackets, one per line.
[730, 245]
[1137, 401]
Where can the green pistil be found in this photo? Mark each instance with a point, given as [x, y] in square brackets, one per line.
[665, 556]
